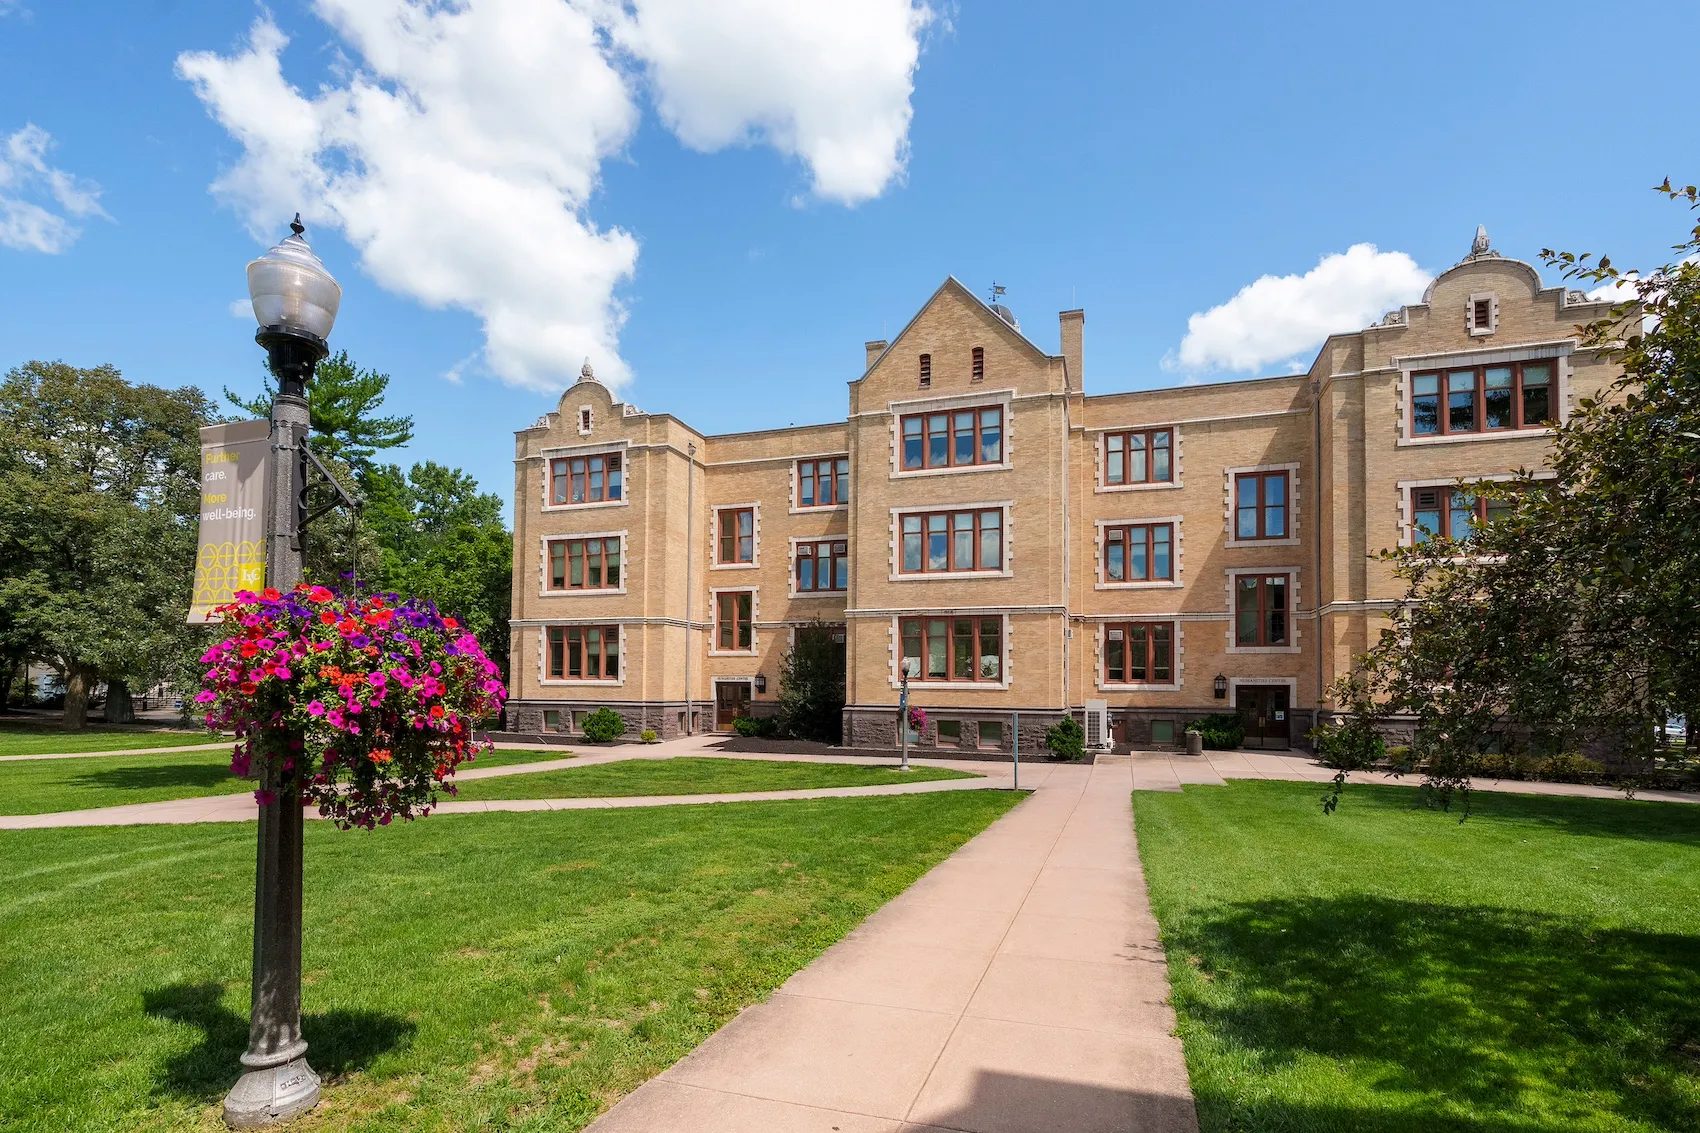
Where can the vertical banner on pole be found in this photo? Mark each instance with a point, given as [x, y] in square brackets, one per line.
[230, 554]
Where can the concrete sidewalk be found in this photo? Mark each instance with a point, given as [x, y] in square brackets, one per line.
[1018, 986]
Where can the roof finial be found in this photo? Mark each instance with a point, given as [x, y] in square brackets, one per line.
[586, 373]
[296, 226]
[1479, 246]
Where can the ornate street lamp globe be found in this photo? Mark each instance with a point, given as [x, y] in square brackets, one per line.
[295, 302]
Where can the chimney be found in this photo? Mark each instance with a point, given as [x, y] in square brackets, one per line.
[875, 349]
[1073, 326]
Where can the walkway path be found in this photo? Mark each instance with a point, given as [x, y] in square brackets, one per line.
[1018, 986]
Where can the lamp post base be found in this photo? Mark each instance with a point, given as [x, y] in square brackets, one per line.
[269, 1094]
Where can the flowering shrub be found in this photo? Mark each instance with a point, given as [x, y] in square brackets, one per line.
[365, 701]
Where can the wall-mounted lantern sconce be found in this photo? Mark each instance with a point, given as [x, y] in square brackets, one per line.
[761, 682]
[1221, 687]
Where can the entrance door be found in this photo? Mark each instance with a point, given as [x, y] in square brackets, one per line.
[1264, 712]
[731, 700]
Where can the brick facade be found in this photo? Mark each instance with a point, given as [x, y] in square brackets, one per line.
[1340, 439]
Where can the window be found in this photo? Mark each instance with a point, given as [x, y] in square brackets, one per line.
[822, 566]
[1142, 457]
[979, 364]
[1139, 552]
[952, 649]
[991, 733]
[733, 612]
[953, 439]
[551, 720]
[578, 716]
[926, 370]
[1481, 314]
[738, 535]
[823, 483]
[1260, 610]
[1478, 399]
[584, 479]
[1162, 731]
[948, 733]
[1139, 653]
[584, 653]
[1260, 505]
[1440, 513]
[584, 564]
[948, 541]
[584, 420]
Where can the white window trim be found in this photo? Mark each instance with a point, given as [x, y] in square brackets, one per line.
[714, 593]
[1175, 450]
[1493, 314]
[1292, 684]
[543, 565]
[1230, 475]
[1177, 661]
[621, 447]
[1176, 549]
[1407, 510]
[791, 568]
[896, 543]
[546, 681]
[1231, 574]
[1556, 352]
[791, 498]
[894, 644]
[714, 562]
[983, 398]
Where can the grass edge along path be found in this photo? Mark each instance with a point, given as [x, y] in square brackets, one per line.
[38, 739]
[1392, 970]
[497, 971]
[691, 775]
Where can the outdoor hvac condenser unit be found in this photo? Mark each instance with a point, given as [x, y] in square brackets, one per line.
[1098, 725]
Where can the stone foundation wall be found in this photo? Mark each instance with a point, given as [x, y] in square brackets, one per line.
[526, 716]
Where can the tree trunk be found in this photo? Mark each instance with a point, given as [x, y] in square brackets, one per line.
[79, 679]
[119, 710]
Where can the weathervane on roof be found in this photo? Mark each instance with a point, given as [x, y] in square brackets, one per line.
[997, 292]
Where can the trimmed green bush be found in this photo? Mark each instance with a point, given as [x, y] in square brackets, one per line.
[603, 725]
[1222, 731]
[1066, 739]
[761, 727]
[648, 735]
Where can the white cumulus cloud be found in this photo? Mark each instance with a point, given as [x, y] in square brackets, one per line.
[39, 203]
[828, 83]
[461, 149]
[1278, 317]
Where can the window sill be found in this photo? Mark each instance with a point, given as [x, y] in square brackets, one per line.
[587, 506]
[956, 470]
[1292, 542]
[1134, 686]
[1263, 649]
[816, 509]
[733, 566]
[1466, 438]
[1162, 584]
[733, 653]
[801, 594]
[1154, 486]
[949, 575]
[574, 682]
[584, 592]
[955, 686]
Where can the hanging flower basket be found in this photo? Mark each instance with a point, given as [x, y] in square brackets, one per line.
[366, 702]
[918, 720]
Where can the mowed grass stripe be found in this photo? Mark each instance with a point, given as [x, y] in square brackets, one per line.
[1391, 969]
[516, 971]
[688, 775]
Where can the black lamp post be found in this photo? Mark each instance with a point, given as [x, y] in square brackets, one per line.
[295, 302]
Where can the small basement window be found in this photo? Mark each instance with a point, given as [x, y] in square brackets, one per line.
[551, 720]
[1162, 731]
[948, 733]
[991, 733]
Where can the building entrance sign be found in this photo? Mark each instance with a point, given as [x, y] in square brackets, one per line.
[230, 554]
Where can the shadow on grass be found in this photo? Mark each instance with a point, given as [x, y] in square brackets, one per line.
[1497, 1014]
[166, 775]
[339, 1042]
[1619, 818]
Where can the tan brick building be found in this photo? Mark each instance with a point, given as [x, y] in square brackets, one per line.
[1141, 558]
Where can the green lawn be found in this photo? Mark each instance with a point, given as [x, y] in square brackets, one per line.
[1388, 969]
[691, 776]
[30, 786]
[35, 739]
[514, 972]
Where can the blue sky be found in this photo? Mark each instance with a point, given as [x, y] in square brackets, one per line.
[1145, 162]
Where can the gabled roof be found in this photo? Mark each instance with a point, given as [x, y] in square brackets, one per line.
[951, 283]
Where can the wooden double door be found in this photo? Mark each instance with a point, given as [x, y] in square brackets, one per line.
[731, 700]
[1266, 715]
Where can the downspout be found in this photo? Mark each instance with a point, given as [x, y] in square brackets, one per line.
[690, 556]
[1316, 544]
[1068, 552]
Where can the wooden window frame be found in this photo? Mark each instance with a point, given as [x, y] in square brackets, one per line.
[568, 474]
[976, 530]
[1479, 509]
[1478, 402]
[601, 543]
[562, 642]
[1149, 533]
[838, 551]
[737, 628]
[951, 435]
[1150, 660]
[837, 478]
[975, 637]
[722, 535]
[1120, 442]
[1263, 507]
[1264, 609]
